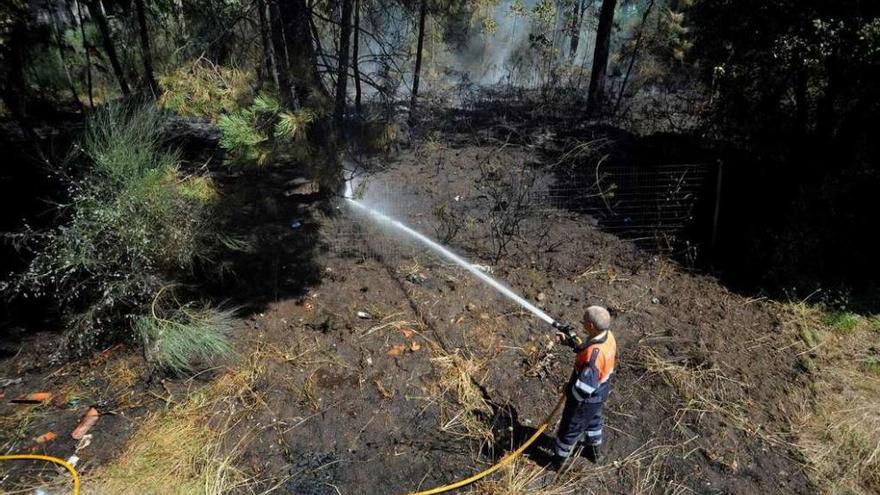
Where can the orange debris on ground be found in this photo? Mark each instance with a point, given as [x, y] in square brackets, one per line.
[89, 420]
[33, 398]
[46, 437]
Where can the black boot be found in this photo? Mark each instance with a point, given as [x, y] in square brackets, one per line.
[594, 453]
[557, 462]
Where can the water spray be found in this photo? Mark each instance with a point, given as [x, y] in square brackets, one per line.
[438, 248]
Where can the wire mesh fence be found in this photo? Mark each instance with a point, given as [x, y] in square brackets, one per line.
[659, 202]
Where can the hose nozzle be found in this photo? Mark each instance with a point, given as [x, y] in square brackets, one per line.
[571, 337]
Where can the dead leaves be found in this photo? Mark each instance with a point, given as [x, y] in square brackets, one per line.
[397, 350]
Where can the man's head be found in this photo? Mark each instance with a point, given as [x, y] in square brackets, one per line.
[596, 320]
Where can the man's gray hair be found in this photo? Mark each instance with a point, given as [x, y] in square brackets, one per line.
[599, 317]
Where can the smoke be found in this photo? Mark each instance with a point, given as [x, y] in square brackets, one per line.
[518, 43]
[530, 40]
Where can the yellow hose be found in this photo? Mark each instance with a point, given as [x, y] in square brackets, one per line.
[504, 461]
[36, 457]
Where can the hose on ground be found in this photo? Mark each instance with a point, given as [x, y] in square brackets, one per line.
[47, 458]
[504, 460]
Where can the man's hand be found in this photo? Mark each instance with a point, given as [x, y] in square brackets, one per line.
[567, 336]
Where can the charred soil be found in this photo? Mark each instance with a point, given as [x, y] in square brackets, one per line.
[380, 369]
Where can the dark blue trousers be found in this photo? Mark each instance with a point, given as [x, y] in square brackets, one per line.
[579, 419]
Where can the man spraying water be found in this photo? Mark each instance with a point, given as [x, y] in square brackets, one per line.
[588, 387]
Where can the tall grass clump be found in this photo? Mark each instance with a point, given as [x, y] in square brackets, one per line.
[134, 221]
[188, 338]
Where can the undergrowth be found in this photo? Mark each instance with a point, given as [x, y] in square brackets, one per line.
[134, 221]
[843, 321]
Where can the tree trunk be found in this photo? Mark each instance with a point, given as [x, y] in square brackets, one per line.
[13, 87]
[303, 68]
[423, 13]
[145, 47]
[596, 93]
[268, 49]
[95, 11]
[801, 99]
[316, 52]
[85, 44]
[575, 28]
[354, 56]
[282, 58]
[342, 70]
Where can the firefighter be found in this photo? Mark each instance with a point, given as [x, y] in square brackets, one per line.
[589, 386]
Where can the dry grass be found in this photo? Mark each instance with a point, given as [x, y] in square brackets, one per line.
[841, 436]
[15, 426]
[706, 390]
[840, 432]
[648, 471]
[187, 448]
[644, 471]
[432, 144]
[121, 375]
[690, 381]
[524, 477]
[460, 398]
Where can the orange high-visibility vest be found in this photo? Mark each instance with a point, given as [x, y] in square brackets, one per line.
[604, 362]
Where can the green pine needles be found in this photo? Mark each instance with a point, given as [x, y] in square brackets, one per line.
[256, 134]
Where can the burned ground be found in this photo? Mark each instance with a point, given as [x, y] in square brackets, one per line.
[380, 369]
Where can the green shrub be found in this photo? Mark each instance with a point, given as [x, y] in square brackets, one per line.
[188, 339]
[258, 132]
[134, 222]
[842, 321]
[203, 89]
